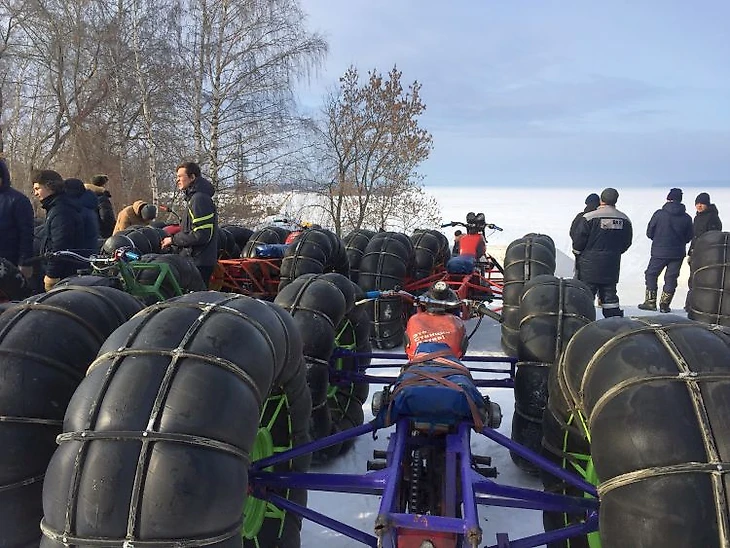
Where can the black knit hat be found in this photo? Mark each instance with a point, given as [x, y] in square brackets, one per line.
[609, 196]
[74, 187]
[703, 198]
[148, 212]
[675, 195]
[593, 200]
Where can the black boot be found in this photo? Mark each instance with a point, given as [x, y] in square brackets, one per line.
[649, 301]
[613, 313]
[665, 301]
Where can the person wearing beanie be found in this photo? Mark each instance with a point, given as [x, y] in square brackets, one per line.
[707, 218]
[139, 213]
[592, 202]
[88, 205]
[63, 226]
[600, 237]
[675, 195]
[16, 224]
[670, 230]
[105, 211]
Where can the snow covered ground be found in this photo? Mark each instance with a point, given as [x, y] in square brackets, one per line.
[518, 211]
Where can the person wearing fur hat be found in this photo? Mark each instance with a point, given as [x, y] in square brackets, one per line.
[16, 224]
[63, 225]
[599, 238]
[670, 230]
[107, 217]
[139, 213]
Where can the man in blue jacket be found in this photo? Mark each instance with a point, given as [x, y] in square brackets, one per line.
[670, 230]
[16, 224]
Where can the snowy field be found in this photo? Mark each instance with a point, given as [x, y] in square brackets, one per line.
[518, 211]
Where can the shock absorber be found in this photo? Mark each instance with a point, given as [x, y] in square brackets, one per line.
[416, 497]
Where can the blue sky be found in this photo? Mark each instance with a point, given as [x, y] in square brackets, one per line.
[543, 92]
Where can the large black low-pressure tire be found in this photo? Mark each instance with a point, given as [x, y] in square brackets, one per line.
[146, 239]
[157, 438]
[531, 395]
[227, 246]
[323, 309]
[709, 298]
[551, 311]
[386, 264]
[315, 251]
[355, 243]
[318, 306]
[526, 258]
[430, 250]
[117, 241]
[284, 424]
[653, 397]
[266, 235]
[240, 234]
[346, 400]
[46, 344]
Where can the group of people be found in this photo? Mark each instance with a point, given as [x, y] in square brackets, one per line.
[79, 214]
[601, 233]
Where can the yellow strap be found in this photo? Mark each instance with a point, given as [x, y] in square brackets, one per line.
[203, 227]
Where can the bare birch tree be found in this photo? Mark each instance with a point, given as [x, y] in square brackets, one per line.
[243, 58]
[373, 145]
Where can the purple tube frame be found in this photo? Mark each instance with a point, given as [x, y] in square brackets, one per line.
[475, 488]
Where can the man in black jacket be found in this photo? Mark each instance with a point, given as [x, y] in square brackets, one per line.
[706, 219]
[670, 230]
[599, 238]
[592, 202]
[16, 224]
[198, 238]
[63, 226]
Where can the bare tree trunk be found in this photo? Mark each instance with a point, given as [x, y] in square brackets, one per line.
[149, 138]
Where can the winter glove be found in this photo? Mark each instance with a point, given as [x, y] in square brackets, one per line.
[26, 271]
[48, 283]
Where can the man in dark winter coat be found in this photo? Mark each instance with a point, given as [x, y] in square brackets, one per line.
[63, 226]
[592, 202]
[670, 230]
[88, 205]
[107, 218]
[599, 239]
[16, 224]
[198, 237]
[706, 219]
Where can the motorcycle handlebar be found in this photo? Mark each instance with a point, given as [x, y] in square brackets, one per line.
[477, 307]
[490, 226]
[120, 254]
